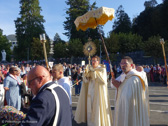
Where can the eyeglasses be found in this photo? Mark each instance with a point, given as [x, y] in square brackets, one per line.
[123, 63]
[29, 82]
[94, 60]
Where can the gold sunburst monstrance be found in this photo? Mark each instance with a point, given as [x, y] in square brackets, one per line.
[89, 49]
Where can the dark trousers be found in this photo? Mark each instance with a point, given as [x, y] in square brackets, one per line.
[78, 88]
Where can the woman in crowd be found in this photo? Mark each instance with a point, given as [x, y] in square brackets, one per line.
[12, 88]
[23, 71]
[152, 73]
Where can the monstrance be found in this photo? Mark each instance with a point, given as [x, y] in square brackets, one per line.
[89, 49]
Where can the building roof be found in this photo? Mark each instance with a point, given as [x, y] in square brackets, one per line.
[12, 37]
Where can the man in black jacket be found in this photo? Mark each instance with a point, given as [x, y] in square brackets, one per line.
[50, 105]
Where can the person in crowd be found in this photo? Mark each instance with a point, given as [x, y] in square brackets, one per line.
[12, 88]
[1, 88]
[78, 80]
[64, 65]
[131, 108]
[133, 66]
[27, 68]
[50, 105]
[67, 71]
[140, 68]
[93, 105]
[148, 72]
[143, 76]
[34, 65]
[152, 73]
[164, 75]
[73, 72]
[23, 71]
[6, 70]
[18, 75]
[1, 76]
[59, 78]
[158, 73]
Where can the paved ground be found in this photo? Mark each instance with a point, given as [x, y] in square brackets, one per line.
[158, 99]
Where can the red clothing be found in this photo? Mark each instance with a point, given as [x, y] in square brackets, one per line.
[152, 74]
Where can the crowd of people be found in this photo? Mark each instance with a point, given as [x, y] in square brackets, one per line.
[155, 73]
[36, 84]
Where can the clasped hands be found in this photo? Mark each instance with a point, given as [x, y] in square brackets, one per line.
[90, 73]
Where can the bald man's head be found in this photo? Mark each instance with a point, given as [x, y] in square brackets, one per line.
[38, 71]
[37, 77]
[139, 68]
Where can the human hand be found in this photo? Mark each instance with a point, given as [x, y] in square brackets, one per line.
[115, 83]
[1, 74]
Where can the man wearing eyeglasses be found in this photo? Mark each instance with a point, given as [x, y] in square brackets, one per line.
[93, 105]
[131, 108]
[50, 106]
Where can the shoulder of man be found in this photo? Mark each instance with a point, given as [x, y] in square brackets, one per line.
[45, 95]
[103, 66]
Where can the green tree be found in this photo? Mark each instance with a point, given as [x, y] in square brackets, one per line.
[4, 44]
[129, 42]
[28, 26]
[60, 50]
[75, 48]
[37, 49]
[152, 21]
[123, 43]
[151, 3]
[57, 39]
[78, 8]
[152, 47]
[98, 44]
[112, 43]
[122, 23]
[163, 20]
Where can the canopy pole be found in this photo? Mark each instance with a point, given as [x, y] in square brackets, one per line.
[111, 70]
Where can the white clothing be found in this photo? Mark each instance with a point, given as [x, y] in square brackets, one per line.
[3, 55]
[131, 107]
[93, 104]
[2, 95]
[120, 79]
[66, 84]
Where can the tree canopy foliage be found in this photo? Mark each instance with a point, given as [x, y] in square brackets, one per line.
[78, 8]
[152, 47]
[122, 22]
[60, 50]
[28, 26]
[152, 21]
[126, 36]
[123, 43]
[57, 39]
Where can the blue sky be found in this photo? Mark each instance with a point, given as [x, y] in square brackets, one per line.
[54, 14]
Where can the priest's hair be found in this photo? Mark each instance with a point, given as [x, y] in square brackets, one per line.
[129, 59]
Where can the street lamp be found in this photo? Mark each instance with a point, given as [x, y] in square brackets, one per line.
[164, 55]
[43, 41]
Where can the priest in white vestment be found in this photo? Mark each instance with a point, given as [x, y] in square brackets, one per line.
[93, 105]
[131, 107]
